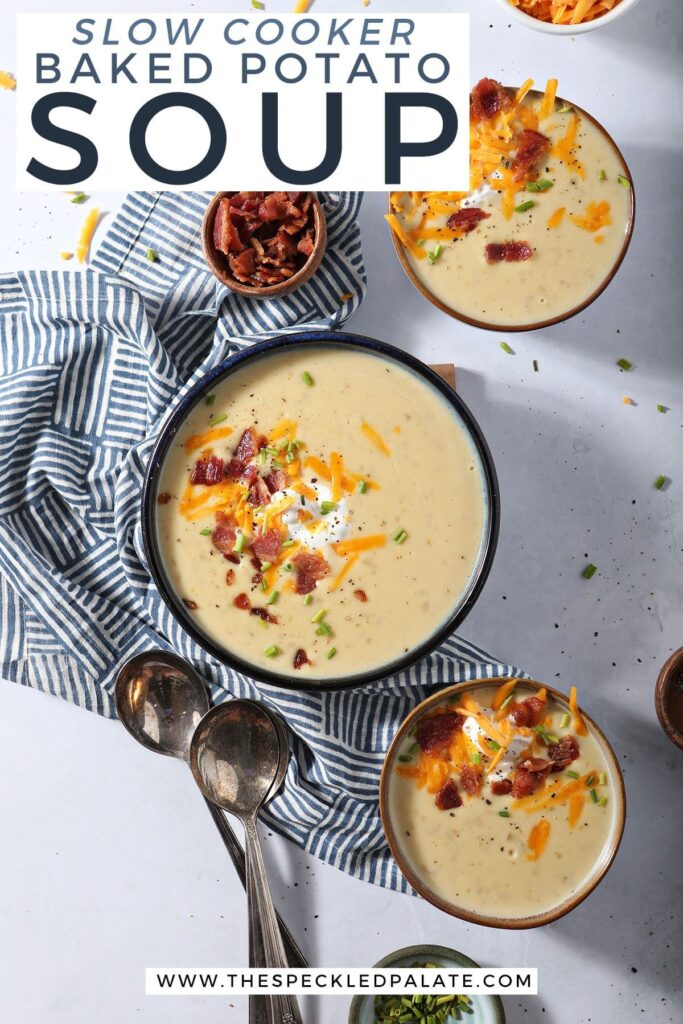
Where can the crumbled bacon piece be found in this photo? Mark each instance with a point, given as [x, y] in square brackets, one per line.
[501, 787]
[230, 577]
[470, 779]
[207, 471]
[466, 219]
[248, 445]
[264, 614]
[189, 603]
[532, 148]
[258, 493]
[242, 601]
[527, 712]
[448, 796]
[234, 469]
[563, 753]
[487, 99]
[436, 732]
[276, 480]
[309, 569]
[266, 237]
[163, 499]
[242, 265]
[301, 658]
[508, 252]
[360, 595]
[224, 536]
[528, 776]
[249, 474]
[267, 545]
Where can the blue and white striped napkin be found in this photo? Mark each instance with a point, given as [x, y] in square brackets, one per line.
[89, 364]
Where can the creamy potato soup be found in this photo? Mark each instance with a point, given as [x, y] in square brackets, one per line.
[502, 802]
[321, 512]
[544, 224]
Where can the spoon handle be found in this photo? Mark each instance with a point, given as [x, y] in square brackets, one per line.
[295, 957]
[262, 917]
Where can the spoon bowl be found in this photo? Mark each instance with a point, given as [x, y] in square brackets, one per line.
[160, 700]
[235, 756]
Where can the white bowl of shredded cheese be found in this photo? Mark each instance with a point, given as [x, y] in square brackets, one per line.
[612, 9]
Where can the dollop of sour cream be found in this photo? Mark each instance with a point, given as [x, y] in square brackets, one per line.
[321, 529]
[517, 744]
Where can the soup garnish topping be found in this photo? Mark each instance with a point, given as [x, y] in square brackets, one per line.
[512, 748]
[565, 12]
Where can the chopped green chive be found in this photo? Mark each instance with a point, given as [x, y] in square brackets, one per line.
[323, 629]
[288, 544]
[566, 719]
[539, 186]
[625, 364]
[273, 597]
[535, 365]
[307, 379]
[602, 778]
[258, 5]
[506, 348]
[319, 616]
[547, 737]
[590, 571]
[404, 758]
[265, 566]
[493, 745]
[207, 532]
[151, 255]
[362, 487]
[476, 758]
[269, 450]
[661, 408]
[602, 802]
[434, 254]
[420, 241]
[594, 796]
[659, 482]
[602, 175]
[566, 108]
[331, 653]
[290, 456]
[239, 542]
[263, 585]
[573, 775]
[215, 420]
[510, 697]
[288, 567]
[271, 651]
[79, 198]
[624, 182]
[303, 499]
[400, 536]
[328, 506]
[590, 780]
[308, 599]
[262, 456]
[523, 207]
[209, 400]
[503, 814]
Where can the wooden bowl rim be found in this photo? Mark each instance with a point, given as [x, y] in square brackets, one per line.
[668, 675]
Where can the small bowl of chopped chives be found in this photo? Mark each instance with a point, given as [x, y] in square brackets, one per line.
[423, 1008]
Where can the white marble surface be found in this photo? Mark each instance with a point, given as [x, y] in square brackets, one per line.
[108, 861]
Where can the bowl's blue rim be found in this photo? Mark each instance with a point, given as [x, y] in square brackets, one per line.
[177, 417]
[433, 952]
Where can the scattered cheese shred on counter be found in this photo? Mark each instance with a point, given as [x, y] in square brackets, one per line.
[565, 12]
[87, 232]
[7, 81]
[301, 6]
[66, 255]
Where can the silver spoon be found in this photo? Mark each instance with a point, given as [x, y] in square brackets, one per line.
[160, 700]
[235, 756]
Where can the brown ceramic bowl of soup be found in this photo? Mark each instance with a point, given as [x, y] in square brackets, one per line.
[320, 511]
[669, 698]
[532, 245]
[266, 246]
[502, 802]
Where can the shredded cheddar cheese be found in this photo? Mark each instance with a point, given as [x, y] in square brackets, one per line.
[7, 81]
[538, 839]
[579, 724]
[375, 438]
[350, 547]
[86, 235]
[206, 439]
[344, 571]
[565, 12]
[597, 216]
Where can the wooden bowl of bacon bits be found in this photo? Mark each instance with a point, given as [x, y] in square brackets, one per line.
[264, 244]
